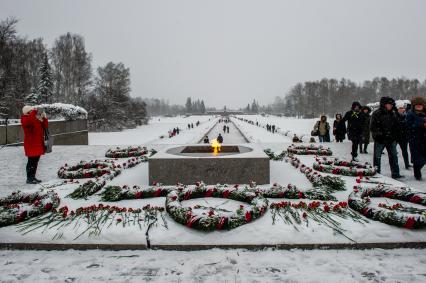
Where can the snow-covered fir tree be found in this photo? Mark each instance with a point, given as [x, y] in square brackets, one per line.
[45, 86]
[33, 98]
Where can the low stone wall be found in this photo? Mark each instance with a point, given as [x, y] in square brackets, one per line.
[63, 132]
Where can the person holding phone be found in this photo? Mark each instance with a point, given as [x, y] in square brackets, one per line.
[33, 123]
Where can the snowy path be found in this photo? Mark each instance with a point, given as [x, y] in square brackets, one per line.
[234, 136]
[400, 265]
[285, 126]
[258, 134]
[156, 132]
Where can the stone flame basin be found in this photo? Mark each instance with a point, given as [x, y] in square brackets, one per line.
[234, 164]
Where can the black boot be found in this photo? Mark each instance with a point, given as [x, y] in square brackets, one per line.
[417, 172]
[31, 179]
[29, 175]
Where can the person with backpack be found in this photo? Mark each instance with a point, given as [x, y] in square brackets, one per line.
[33, 124]
[322, 128]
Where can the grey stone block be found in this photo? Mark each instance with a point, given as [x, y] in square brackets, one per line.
[181, 164]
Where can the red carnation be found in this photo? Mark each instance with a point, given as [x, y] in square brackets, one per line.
[248, 216]
[226, 194]
[389, 194]
[138, 195]
[208, 193]
[158, 192]
[300, 195]
[410, 223]
[221, 223]
[22, 216]
[304, 215]
[48, 206]
[415, 199]
[326, 208]
[187, 195]
[190, 221]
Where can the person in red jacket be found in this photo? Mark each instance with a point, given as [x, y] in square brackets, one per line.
[33, 123]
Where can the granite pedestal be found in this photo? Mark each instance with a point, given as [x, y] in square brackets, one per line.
[235, 164]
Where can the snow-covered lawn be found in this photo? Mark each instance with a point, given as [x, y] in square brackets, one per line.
[400, 265]
[260, 231]
[214, 265]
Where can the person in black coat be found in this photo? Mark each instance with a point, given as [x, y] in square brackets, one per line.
[365, 140]
[219, 138]
[355, 120]
[339, 129]
[416, 125]
[402, 139]
[385, 131]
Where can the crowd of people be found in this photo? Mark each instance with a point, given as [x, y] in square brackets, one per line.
[390, 125]
[191, 125]
[270, 128]
[174, 132]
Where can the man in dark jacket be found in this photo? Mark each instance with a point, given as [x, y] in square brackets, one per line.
[385, 131]
[355, 126]
[416, 124]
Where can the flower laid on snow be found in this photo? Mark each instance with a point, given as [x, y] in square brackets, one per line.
[273, 156]
[116, 193]
[397, 214]
[131, 151]
[19, 206]
[328, 184]
[321, 212]
[101, 170]
[215, 219]
[346, 168]
[309, 150]
[96, 218]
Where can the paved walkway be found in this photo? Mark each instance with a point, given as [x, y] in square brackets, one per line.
[234, 136]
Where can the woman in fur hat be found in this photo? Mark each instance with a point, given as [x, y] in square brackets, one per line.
[416, 124]
[33, 123]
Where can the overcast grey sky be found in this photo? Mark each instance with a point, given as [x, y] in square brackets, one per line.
[229, 52]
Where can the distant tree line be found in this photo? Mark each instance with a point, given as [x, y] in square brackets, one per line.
[329, 96]
[252, 108]
[30, 73]
[160, 107]
[195, 107]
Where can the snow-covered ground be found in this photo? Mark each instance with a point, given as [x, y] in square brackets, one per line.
[216, 265]
[233, 137]
[156, 132]
[400, 265]
[287, 127]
